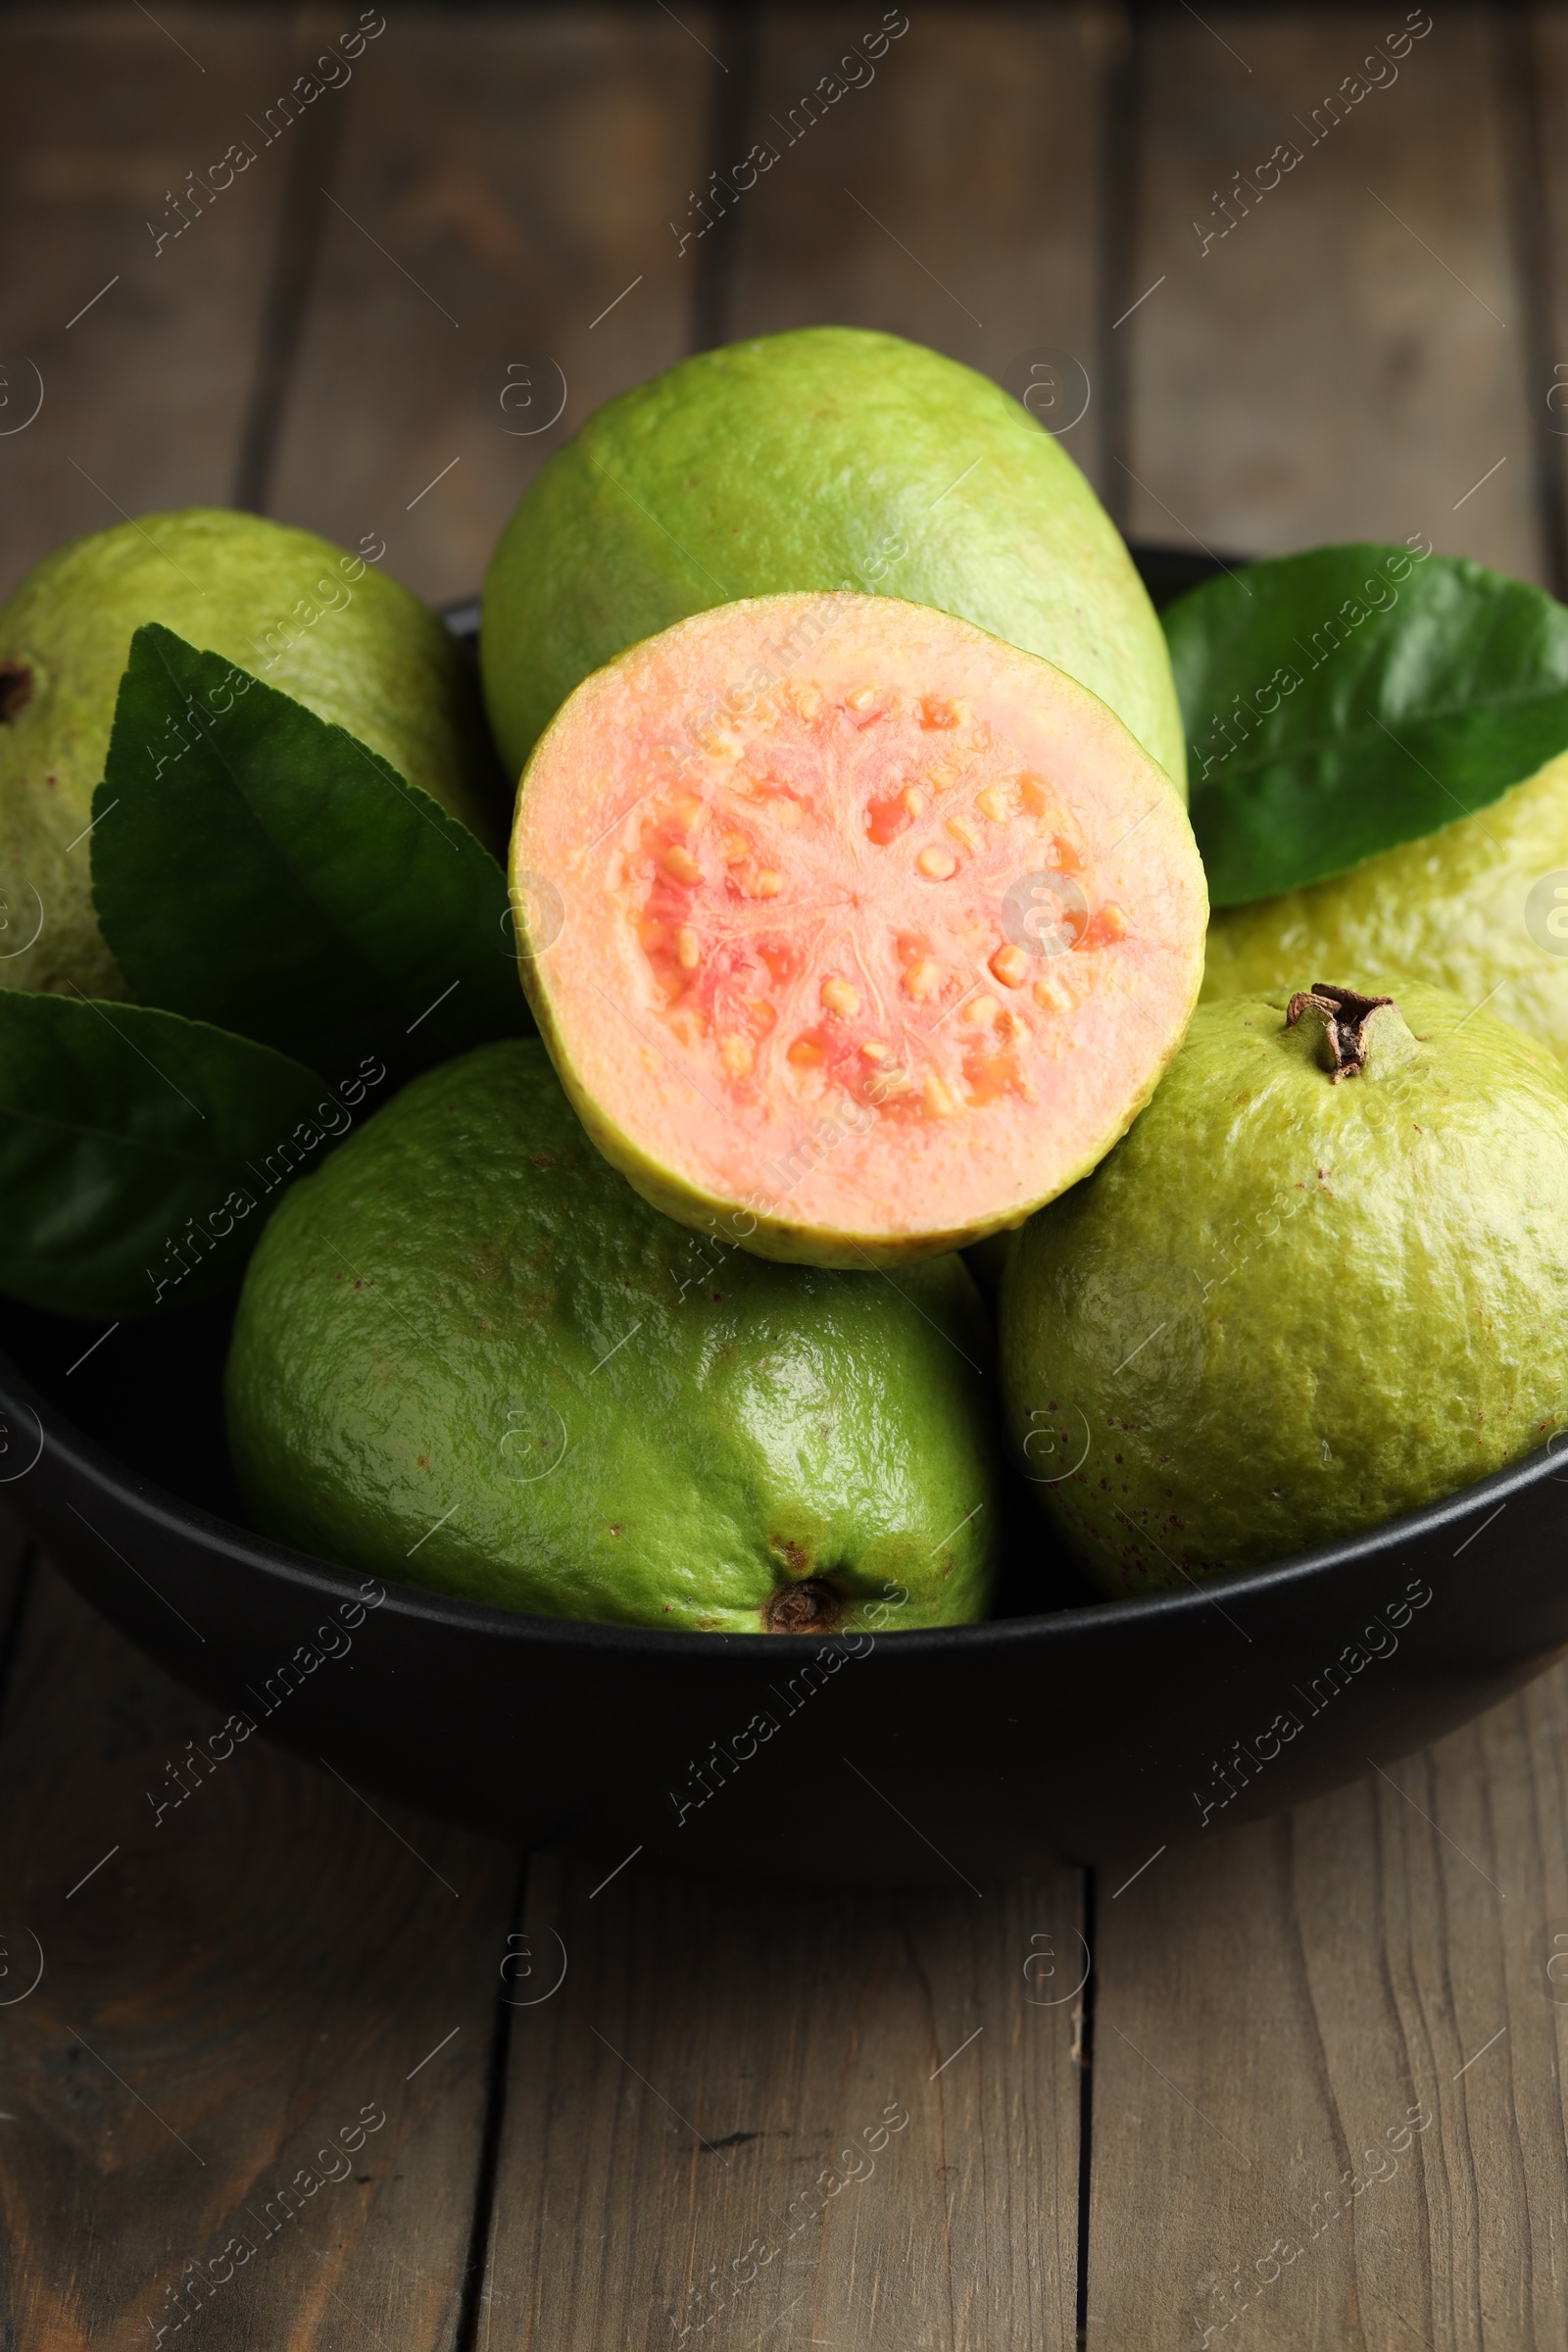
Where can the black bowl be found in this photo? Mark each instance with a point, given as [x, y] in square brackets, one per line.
[1085, 1729]
[1068, 1728]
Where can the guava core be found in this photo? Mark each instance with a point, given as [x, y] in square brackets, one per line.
[829, 458]
[324, 627]
[853, 933]
[1319, 1283]
[468, 1356]
[1480, 908]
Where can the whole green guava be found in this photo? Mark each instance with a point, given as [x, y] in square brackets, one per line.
[1477, 907]
[352, 644]
[1320, 1282]
[469, 1356]
[824, 458]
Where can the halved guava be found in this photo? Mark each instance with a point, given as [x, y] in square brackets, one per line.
[853, 933]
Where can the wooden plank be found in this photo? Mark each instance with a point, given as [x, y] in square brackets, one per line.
[1370, 1973]
[227, 1989]
[1325, 2047]
[683, 2109]
[1347, 360]
[143, 390]
[1327, 2064]
[1540, 59]
[228, 1983]
[517, 173]
[970, 150]
[712, 2052]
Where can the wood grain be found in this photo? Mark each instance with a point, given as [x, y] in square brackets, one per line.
[229, 1983]
[712, 2055]
[224, 1989]
[1539, 45]
[1277, 2007]
[506, 179]
[143, 394]
[1348, 360]
[972, 165]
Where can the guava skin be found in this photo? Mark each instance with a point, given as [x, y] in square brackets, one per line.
[465, 1316]
[1448, 908]
[826, 457]
[1289, 1307]
[379, 664]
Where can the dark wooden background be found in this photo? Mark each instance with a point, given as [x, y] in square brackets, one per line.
[1172, 2153]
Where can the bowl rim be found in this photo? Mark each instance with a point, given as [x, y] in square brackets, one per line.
[306, 1572]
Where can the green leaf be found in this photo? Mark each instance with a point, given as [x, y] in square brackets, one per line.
[142, 1153]
[256, 867]
[1342, 701]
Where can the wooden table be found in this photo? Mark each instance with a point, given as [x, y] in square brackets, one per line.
[275, 1983]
